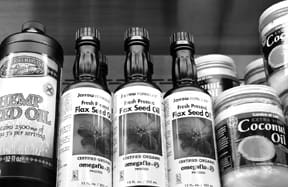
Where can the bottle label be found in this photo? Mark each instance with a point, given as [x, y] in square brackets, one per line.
[191, 147]
[274, 46]
[250, 139]
[85, 139]
[139, 141]
[28, 93]
[217, 84]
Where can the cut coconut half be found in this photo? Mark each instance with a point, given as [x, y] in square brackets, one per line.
[256, 148]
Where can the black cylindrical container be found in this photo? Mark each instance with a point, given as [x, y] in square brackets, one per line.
[30, 71]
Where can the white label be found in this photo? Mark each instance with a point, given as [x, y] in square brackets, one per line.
[191, 150]
[84, 146]
[139, 150]
[28, 91]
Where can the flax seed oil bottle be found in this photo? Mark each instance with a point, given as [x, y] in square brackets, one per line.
[30, 78]
[139, 150]
[85, 132]
[191, 147]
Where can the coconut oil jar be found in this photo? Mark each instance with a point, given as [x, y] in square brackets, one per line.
[216, 73]
[273, 29]
[255, 72]
[251, 137]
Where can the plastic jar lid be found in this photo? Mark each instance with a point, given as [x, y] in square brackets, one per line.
[269, 16]
[244, 92]
[253, 69]
[217, 64]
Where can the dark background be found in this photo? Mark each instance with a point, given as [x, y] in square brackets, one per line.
[219, 26]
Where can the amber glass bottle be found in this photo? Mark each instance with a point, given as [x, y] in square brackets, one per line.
[85, 135]
[191, 148]
[138, 125]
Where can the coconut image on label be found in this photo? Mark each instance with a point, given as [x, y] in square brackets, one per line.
[276, 57]
[140, 133]
[91, 135]
[193, 140]
[265, 148]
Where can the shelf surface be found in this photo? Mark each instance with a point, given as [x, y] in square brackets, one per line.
[223, 26]
[161, 74]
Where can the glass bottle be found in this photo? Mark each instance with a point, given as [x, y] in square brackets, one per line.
[138, 120]
[85, 132]
[191, 149]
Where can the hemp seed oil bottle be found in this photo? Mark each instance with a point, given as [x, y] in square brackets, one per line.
[30, 70]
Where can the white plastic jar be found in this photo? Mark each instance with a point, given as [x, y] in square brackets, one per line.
[251, 137]
[273, 29]
[216, 73]
[255, 72]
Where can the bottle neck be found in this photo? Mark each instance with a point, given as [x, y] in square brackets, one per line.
[137, 64]
[86, 66]
[184, 69]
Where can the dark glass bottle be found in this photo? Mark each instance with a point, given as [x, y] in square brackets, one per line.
[85, 134]
[138, 125]
[189, 121]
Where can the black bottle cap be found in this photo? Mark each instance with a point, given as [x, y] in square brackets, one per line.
[136, 35]
[32, 39]
[181, 39]
[87, 34]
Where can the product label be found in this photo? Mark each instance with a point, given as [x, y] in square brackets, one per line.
[139, 148]
[85, 139]
[28, 93]
[216, 85]
[252, 139]
[191, 145]
[275, 49]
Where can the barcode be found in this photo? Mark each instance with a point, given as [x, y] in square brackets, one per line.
[122, 175]
[75, 175]
[178, 178]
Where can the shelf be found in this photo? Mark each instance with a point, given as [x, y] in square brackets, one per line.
[162, 73]
[224, 26]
